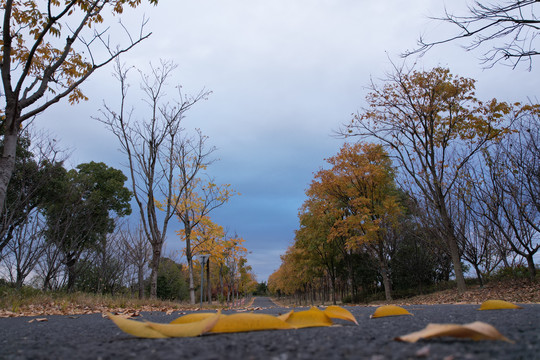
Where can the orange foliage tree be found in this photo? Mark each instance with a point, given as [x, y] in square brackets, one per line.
[350, 209]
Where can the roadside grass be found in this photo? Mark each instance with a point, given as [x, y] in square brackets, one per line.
[28, 301]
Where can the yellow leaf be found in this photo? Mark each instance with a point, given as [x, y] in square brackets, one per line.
[186, 330]
[389, 310]
[477, 331]
[337, 312]
[189, 318]
[248, 322]
[308, 318]
[135, 328]
[498, 304]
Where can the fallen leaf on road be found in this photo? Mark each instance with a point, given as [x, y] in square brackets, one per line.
[389, 310]
[248, 322]
[308, 318]
[200, 323]
[186, 330]
[135, 328]
[498, 304]
[477, 331]
[189, 318]
[38, 320]
[337, 312]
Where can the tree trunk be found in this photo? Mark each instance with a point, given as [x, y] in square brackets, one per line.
[72, 273]
[7, 161]
[532, 268]
[154, 266]
[386, 283]
[456, 262]
[191, 282]
[479, 275]
[140, 277]
[208, 285]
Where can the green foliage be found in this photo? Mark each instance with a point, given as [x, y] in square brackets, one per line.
[515, 272]
[101, 278]
[261, 290]
[79, 209]
[171, 283]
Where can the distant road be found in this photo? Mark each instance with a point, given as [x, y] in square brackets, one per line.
[263, 302]
[94, 337]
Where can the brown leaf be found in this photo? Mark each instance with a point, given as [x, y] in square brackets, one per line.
[477, 331]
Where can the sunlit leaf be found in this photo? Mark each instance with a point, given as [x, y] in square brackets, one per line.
[337, 312]
[248, 322]
[476, 331]
[135, 328]
[308, 318]
[498, 304]
[389, 310]
[192, 329]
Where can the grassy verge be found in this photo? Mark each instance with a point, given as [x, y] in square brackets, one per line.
[28, 301]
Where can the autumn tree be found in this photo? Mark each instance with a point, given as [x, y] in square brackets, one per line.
[360, 186]
[42, 60]
[157, 149]
[317, 217]
[197, 199]
[432, 124]
[508, 28]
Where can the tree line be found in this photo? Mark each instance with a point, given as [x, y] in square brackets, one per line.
[439, 180]
[63, 229]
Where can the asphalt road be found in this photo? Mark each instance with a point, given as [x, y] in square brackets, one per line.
[94, 337]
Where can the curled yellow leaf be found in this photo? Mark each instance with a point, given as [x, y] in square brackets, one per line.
[248, 322]
[498, 304]
[308, 318]
[389, 310]
[477, 331]
[191, 329]
[135, 328]
[337, 312]
[189, 318]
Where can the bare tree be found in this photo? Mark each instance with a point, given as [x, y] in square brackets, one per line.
[26, 249]
[511, 197]
[511, 22]
[137, 252]
[152, 146]
[37, 73]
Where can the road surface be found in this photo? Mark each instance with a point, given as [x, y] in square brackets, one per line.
[94, 337]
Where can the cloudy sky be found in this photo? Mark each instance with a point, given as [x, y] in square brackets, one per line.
[284, 75]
